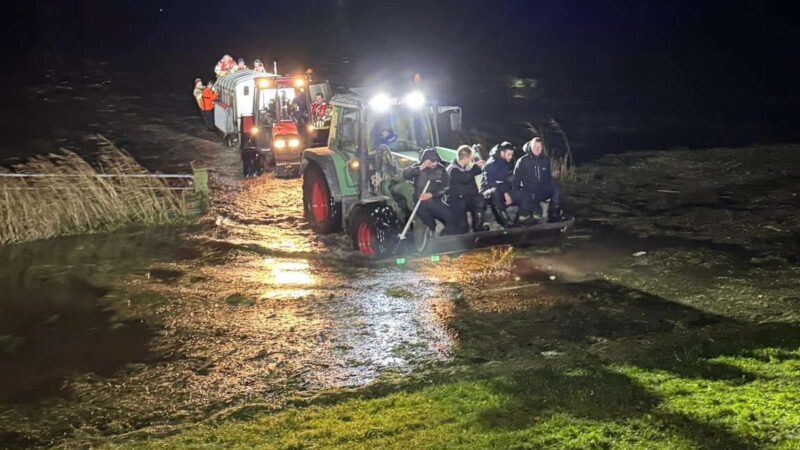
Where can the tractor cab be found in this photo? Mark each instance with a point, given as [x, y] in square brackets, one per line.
[279, 127]
[354, 181]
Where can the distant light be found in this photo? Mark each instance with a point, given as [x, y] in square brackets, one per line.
[294, 143]
[299, 82]
[435, 258]
[280, 143]
[380, 102]
[414, 100]
[400, 261]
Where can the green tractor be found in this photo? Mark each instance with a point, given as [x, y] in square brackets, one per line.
[354, 183]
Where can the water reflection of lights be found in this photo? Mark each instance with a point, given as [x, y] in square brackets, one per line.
[287, 272]
[286, 277]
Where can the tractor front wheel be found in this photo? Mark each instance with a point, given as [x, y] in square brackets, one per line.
[374, 230]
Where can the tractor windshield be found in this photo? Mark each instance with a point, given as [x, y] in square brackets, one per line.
[276, 100]
[401, 129]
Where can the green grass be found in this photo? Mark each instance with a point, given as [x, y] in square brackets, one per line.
[743, 400]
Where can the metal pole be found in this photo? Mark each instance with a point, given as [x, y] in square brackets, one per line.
[414, 212]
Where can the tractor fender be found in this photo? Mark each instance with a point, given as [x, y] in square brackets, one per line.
[324, 161]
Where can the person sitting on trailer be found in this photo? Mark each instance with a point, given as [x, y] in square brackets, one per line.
[431, 201]
[225, 66]
[240, 65]
[207, 107]
[258, 66]
[463, 194]
[496, 186]
[532, 176]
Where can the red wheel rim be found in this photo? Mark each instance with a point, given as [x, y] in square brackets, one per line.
[365, 238]
[319, 202]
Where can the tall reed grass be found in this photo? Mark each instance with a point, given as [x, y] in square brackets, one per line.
[66, 196]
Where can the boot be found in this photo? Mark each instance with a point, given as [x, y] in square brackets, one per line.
[503, 220]
[477, 222]
[554, 214]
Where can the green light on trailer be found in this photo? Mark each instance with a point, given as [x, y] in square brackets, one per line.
[435, 258]
[400, 261]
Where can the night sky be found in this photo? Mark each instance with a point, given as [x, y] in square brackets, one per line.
[734, 62]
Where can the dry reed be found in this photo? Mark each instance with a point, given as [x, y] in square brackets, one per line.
[68, 197]
[556, 146]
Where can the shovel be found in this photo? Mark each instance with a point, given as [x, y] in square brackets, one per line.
[411, 217]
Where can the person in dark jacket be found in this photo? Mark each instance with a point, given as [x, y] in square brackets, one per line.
[496, 185]
[432, 206]
[463, 195]
[532, 176]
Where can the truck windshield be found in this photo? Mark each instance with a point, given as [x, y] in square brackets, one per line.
[401, 129]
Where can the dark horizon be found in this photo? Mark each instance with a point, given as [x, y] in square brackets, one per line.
[723, 74]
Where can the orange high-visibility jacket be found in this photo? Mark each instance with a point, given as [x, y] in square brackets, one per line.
[208, 99]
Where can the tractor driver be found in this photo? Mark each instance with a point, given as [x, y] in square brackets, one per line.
[382, 133]
[496, 186]
[430, 172]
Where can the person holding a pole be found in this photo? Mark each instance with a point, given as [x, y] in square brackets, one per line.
[431, 173]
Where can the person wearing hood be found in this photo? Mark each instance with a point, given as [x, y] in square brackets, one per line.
[532, 175]
[463, 194]
[496, 185]
[432, 205]
[240, 65]
[258, 66]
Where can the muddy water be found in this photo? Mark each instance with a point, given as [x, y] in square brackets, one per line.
[115, 332]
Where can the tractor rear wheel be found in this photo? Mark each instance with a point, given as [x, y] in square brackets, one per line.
[374, 229]
[321, 210]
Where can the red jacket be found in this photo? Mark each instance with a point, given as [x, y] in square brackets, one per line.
[208, 99]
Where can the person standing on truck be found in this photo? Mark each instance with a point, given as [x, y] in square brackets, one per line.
[532, 176]
[258, 66]
[463, 194]
[207, 105]
[198, 92]
[496, 186]
[225, 66]
[431, 205]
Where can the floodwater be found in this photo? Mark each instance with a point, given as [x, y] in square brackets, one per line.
[105, 334]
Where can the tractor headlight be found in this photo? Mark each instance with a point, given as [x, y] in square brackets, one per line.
[353, 165]
[254, 131]
[280, 143]
[299, 82]
[294, 143]
[414, 100]
[380, 102]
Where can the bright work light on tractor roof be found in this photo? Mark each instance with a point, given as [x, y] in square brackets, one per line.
[299, 82]
[264, 83]
[414, 100]
[380, 102]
